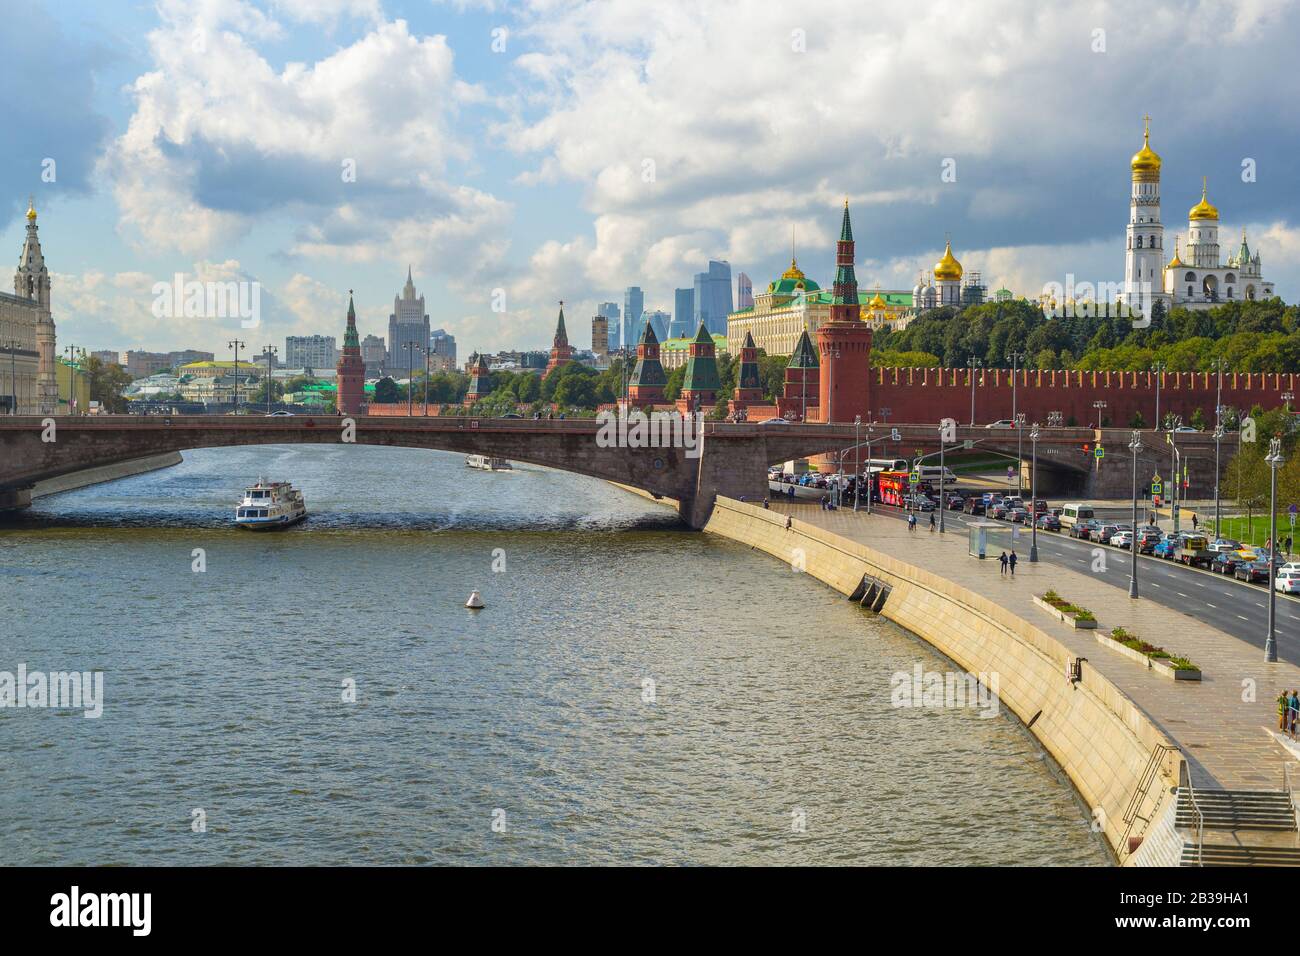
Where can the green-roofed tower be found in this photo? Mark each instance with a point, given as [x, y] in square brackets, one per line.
[646, 387]
[701, 386]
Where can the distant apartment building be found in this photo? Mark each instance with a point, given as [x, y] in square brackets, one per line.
[108, 357]
[140, 364]
[633, 306]
[266, 359]
[442, 350]
[408, 329]
[373, 354]
[683, 313]
[713, 301]
[310, 351]
[185, 356]
[744, 292]
[600, 338]
[611, 312]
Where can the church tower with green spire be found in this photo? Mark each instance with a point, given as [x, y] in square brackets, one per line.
[646, 386]
[351, 368]
[749, 382]
[800, 396]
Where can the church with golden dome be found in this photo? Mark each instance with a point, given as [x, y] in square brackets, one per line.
[1196, 275]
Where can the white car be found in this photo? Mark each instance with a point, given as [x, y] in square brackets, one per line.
[1289, 566]
[1288, 582]
[1122, 539]
[775, 421]
[1001, 423]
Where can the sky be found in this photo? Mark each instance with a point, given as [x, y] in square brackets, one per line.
[517, 154]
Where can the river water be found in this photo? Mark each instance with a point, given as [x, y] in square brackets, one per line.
[633, 693]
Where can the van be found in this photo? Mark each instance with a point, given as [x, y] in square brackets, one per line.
[1075, 512]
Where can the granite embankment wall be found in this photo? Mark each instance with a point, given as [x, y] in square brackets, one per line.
[1096, 734]
[97, 476]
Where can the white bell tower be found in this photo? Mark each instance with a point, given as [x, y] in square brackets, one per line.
[1144, 256]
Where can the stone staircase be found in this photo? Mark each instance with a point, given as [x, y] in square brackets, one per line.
[1241, 828]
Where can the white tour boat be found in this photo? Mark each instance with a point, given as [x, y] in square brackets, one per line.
[484, 463]
[269, 505]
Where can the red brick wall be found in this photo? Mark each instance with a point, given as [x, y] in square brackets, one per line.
[929, 394]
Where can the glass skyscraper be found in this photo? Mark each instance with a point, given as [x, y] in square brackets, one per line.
[633, 306]
[713, 297]
[683, 313]
[610, 311]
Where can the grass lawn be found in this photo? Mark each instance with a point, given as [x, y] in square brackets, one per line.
[1256, 533]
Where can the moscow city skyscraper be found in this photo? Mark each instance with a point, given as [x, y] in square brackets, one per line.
[633, 306]
[713, 301]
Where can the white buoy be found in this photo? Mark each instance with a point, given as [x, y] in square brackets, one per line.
[475, 601]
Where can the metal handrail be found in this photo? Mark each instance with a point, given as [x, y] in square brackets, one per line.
[1157, 757]
[1186, 775]
[1289, 786]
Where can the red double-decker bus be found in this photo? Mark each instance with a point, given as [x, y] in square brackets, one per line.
[893, 487]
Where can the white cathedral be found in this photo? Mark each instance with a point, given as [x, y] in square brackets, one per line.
[1203, 280]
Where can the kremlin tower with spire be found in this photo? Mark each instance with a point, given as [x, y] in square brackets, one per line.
[561, 351]
[844, 343]
[351, 369]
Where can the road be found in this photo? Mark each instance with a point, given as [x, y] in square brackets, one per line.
[1232, 606]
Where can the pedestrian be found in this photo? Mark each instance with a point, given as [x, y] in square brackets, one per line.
[1003, 561]
[1283, 706]
[911, 522]
[1294, 707]
[1011, 562]
[1194, 520]
[767, 502]
[1286, 545]
[932, 522]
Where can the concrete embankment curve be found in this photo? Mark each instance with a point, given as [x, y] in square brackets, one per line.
[1122, 765]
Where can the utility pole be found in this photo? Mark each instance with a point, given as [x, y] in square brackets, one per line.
[1135, 446]
[12, 346]
[1101, 407]
[410, 375]
[1218, 437]
[1034, 435]
[973, 364]
[1015, 358]
[1274, 460]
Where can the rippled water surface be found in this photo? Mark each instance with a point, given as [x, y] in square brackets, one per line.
[223, 689]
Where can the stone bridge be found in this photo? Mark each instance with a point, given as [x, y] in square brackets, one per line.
[726, 459]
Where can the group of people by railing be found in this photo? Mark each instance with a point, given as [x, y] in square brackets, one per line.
[1288, 712]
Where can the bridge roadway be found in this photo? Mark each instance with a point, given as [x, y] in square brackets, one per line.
[728, 459]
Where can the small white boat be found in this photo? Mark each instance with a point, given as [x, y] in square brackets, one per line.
[475, 602]
[484, 463]
[270, 505]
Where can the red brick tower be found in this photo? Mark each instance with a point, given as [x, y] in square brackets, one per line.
[480, 381]
[561, 351]
[799, 399]
[749, 384]
[844, 343]
[351, 368]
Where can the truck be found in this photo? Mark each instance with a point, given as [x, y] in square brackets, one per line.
[1194, 550]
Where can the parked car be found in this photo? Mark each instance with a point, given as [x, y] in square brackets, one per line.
[1224, 544]
[1107, 531]
[1122, 539]
[1288, 582]
[1049, 522]
[1018, 516]
[1256, 572]
[921, 503]
[1040, 506]
[774, 421]
[1001, 423]
[973, 506]
[999, 511]
[1166, 546]
[955, 502]
[1084, 530]
[1290, 566]
[1224, 562]
[1147, 539]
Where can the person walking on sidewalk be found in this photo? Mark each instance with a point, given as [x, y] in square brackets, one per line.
[1011, 562]
[1194, 520]
[932, 525]
[1003, 561]
[1283, 706]
[911, 522]
[1294, 707]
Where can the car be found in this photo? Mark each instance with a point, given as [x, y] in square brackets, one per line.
[1049, 522]
[278, 414]
[999, 511]
[1018, 516]
[1040, 506]
[955, 502]
[512, 415]
[1084, 530]
[1001, 423]
[1187, 428]
[1147, 539]
[1224, 562]
[1122, 539]
[775, 421]
[1290, 566]
[1224, 544]
[1256, 572]
[919, 502]
[1166, 547]
[1245, 554]
[1288, 582]
[973, 506]
[1105, 532]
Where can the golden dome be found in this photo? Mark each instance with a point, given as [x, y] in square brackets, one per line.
[947, 268]
[1203, 209]
[877, 302]
[1175, 262]
[1146, 161]
[793, 272]
[31, 211]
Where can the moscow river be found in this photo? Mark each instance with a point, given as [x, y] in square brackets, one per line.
[633, 693]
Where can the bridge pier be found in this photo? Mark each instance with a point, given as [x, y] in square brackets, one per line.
[736, 468]
[15, 499]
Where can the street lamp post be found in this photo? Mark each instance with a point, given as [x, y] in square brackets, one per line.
[943, 501]
[973, 364]
[410, 376]
[1135, 446]
[1014, 358]
[1101, 407]
[1174, 422]
[1158, 370]
[1034, 435]
[12, 346]
[1274, 460]
[857, 462]
[271, 352]
[236, 345]
[1218, 437]
[1020, 452]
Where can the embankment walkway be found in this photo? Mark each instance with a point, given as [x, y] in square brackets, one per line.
[1220, 729]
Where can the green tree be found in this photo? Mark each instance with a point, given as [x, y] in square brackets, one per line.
[106, 384]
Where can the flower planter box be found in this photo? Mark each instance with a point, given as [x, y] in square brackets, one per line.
[1070, 619]
[1158, 664]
